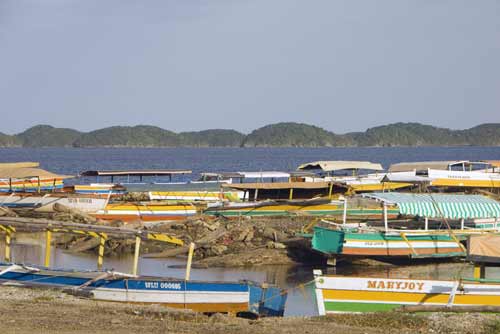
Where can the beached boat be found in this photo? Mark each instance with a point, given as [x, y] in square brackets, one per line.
[196, 195]
[201, 296]
[27, 177]
[341, 294]
[45, 203]
[358, 176]
[146, 211]
[446, 221]
[448, 174]
[243, 297]
[315, 207]
[104, 189]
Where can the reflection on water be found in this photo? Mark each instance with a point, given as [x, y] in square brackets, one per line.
[29, 249]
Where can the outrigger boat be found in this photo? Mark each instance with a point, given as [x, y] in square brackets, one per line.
[240, 298]
[448, 174]
[445, 223]
[359, 209]
[45, 202]
[26, 177]
[343, 294]
[146, 211]
[353, 175]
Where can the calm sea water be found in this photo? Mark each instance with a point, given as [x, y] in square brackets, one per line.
[300, 301]
[72, 160]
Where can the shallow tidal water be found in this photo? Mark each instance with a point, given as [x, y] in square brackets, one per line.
[30, 249]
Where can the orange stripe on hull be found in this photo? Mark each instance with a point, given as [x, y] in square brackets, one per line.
[398, 251]
[402, 297]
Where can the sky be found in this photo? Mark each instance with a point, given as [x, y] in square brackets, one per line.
[343, 65]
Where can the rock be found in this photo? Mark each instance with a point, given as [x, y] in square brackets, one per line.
[275, 245]
[218, 249]
[240, 236]
[249, 236]
[272, 234]
[211, 227]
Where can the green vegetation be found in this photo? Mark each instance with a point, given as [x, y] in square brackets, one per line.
[8, 141]
[212, 138]
[294, 135]
[127, 136]
[47, 136]
[274, 135]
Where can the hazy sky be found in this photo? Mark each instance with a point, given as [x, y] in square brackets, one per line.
[344, 65]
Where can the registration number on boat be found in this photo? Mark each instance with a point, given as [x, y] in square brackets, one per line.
[162, 285]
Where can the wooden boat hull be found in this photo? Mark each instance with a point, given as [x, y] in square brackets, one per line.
[31, 185]
[100, 189]
[145, 212]
[342, 294]
[293, 210]
[205, 196]
[379, 244]
[464, 179]
[45, 203]
[209, 297]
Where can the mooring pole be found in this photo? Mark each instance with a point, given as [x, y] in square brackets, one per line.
[48, 239]
[189, 260]
[136, 254]
[344, 215]
[100, 257]
[386, 224]
[7, 244]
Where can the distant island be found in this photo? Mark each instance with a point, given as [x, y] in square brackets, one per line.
[274, 135]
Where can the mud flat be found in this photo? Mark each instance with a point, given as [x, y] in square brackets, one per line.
[28, 310]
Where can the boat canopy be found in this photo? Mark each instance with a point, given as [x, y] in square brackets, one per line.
[421, 165]
[263, 175]
[440, 165]
[19, 165]
[441, 205]
[330, 166]
[144, 172]
[28, 172]
[484, 248]
[493, 163]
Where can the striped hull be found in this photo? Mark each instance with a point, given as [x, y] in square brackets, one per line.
[338, 242]
[292, 210]
[145, 212]
[206, 196]
[339, 294]
[195, 295]
[30, 185]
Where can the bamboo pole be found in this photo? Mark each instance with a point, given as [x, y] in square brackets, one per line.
[7, 244]
[48, 240]
[136, 255]
[386, 223]
[344, 215]
[100, 257]
[189, 261]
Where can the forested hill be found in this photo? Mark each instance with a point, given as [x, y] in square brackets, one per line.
[274, 135]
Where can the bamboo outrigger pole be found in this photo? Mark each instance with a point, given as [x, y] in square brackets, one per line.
[189, 260]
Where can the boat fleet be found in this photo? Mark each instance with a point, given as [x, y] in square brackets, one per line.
[356, 209]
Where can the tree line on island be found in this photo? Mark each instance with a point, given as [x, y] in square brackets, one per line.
[274, 135]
